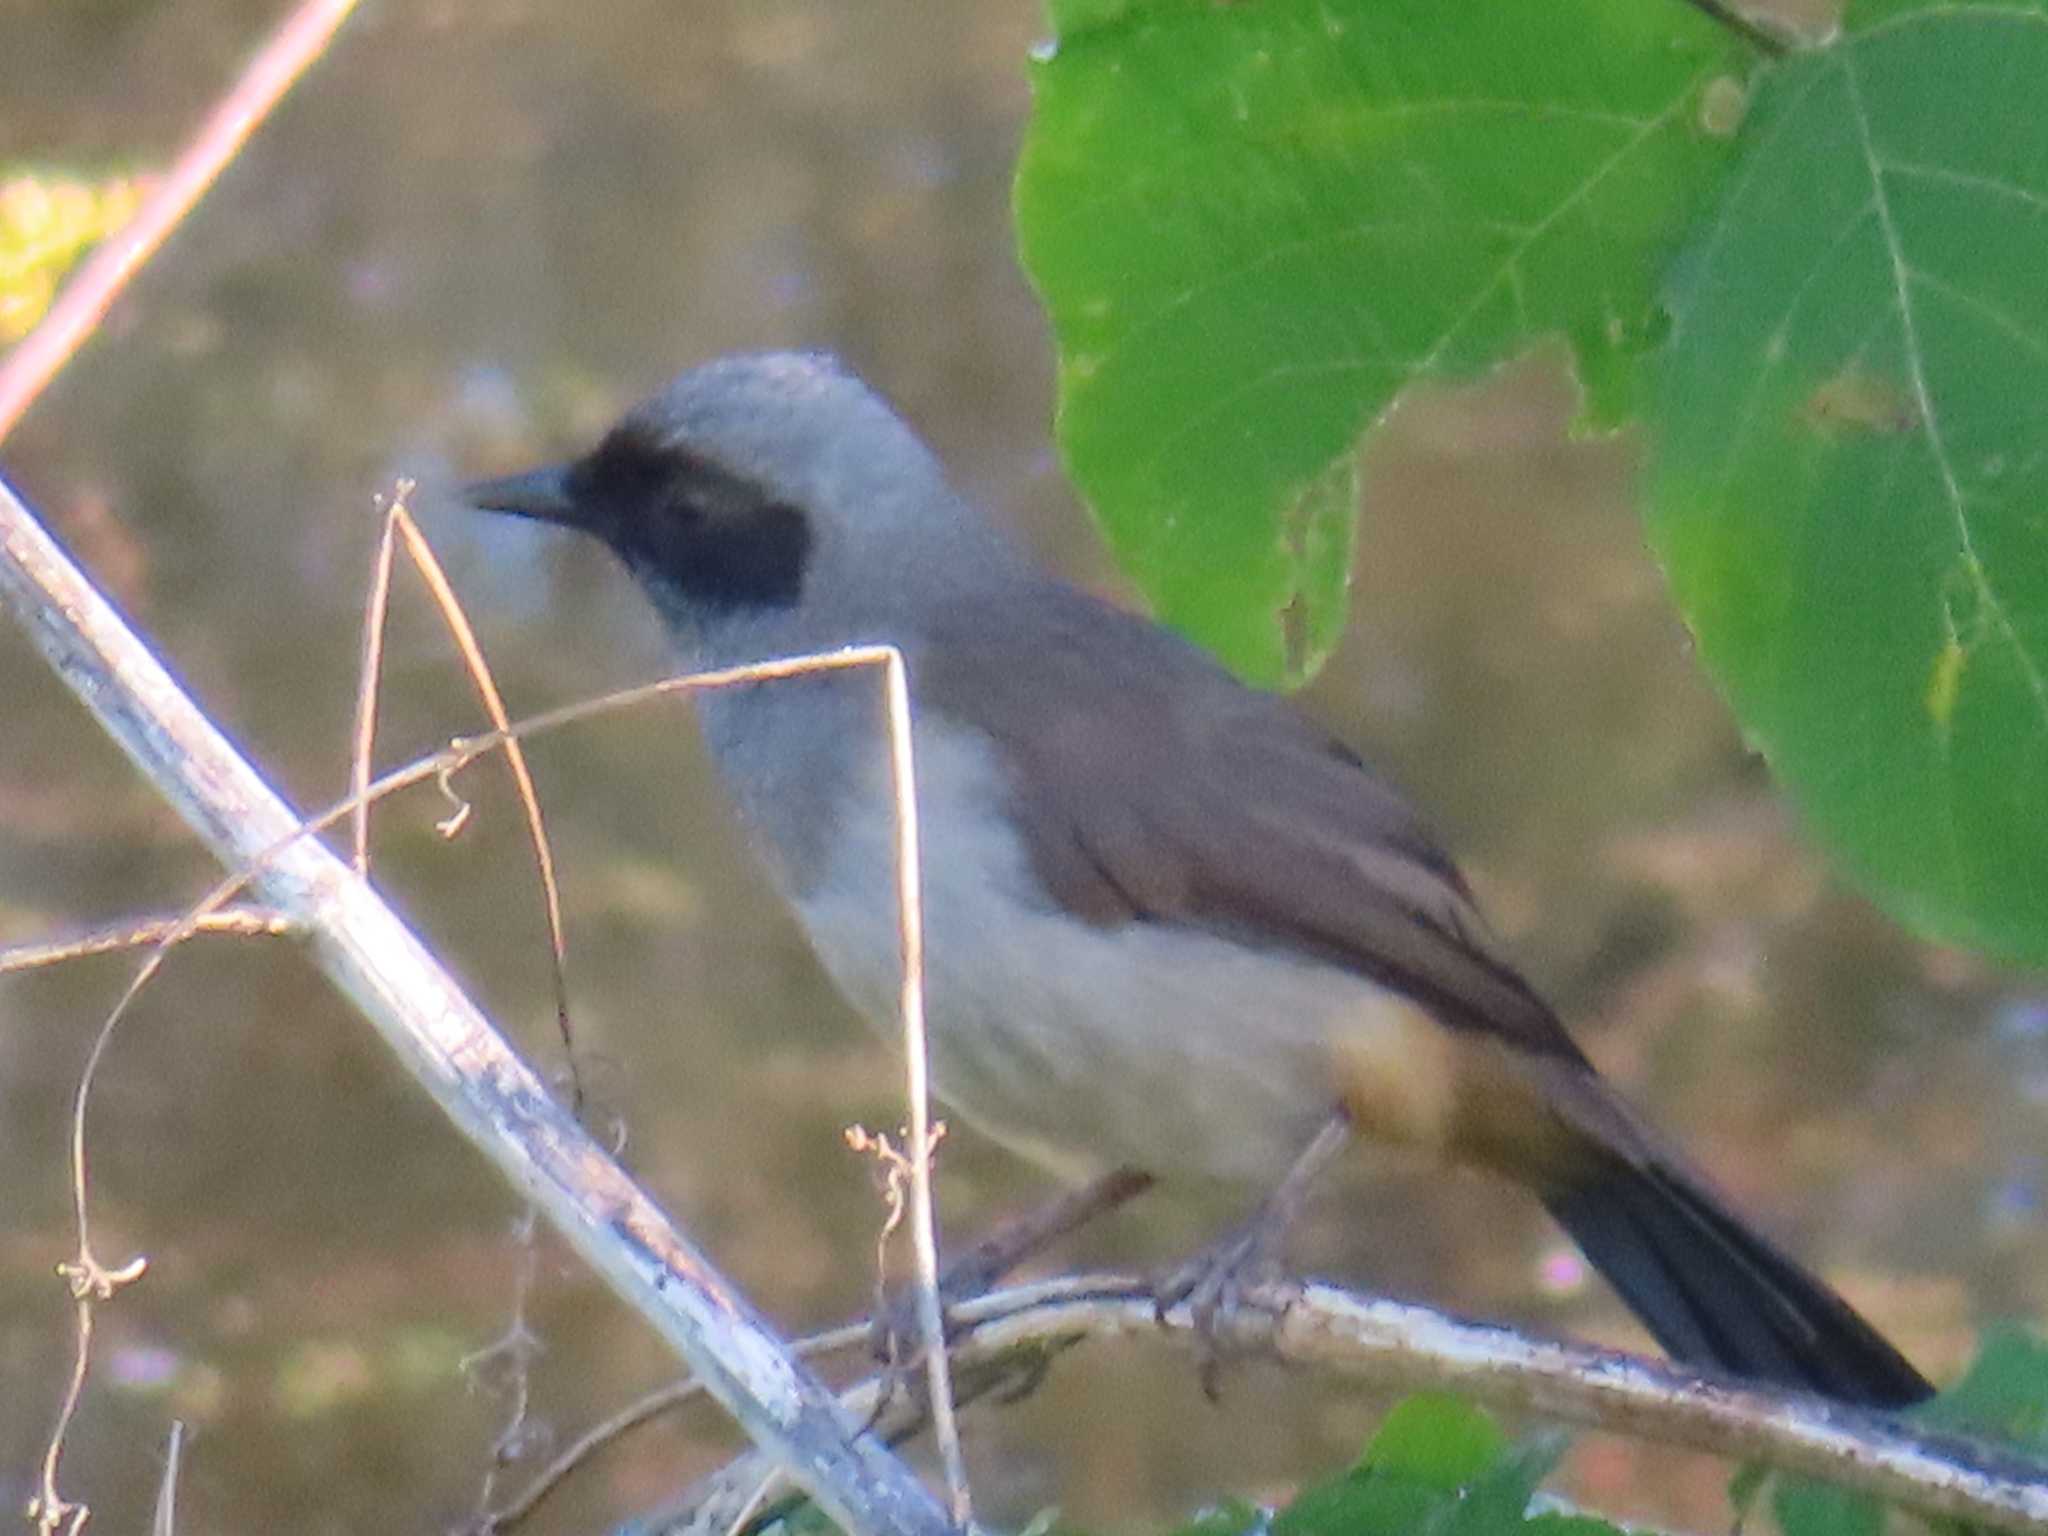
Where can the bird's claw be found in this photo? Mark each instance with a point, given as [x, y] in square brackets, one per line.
[1228, 1277]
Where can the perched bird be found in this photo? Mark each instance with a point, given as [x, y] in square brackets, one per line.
[1171, 924]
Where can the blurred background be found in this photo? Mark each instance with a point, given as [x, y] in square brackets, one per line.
[473, 235]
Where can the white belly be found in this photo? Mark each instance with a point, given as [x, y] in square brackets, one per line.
[1081, 1047]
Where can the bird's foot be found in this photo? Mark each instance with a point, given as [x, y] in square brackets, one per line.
[1243, 1270]
[1240, 1272]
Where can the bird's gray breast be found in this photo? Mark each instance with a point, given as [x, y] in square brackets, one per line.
[1081, 1046]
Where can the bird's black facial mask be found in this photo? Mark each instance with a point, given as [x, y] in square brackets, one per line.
[718, 540]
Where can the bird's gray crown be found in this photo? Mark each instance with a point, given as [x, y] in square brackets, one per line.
[770, 498]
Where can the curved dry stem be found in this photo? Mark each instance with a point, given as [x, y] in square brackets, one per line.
[90, 1281]
[644, 1410]
[399, 524]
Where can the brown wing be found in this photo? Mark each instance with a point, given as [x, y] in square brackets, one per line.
[1152, 787]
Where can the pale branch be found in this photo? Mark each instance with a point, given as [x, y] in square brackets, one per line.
[445, 1041]
[967, 1275]
[1394, 1345]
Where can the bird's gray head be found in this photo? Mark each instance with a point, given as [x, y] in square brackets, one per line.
[767, 500]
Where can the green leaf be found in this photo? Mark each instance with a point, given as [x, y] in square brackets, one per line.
[1745, 1487]
[1555, 1523]
[1436, 1465]
[1435, 1440]
[1361, 1506]
[1498, 1499]
[1252, 225]
[1850, 454]
[1806, 1508]
[2003, 1396]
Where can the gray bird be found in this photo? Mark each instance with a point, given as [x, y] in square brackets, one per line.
[1171, 924]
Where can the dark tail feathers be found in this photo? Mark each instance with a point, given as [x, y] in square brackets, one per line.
[1714, 1293]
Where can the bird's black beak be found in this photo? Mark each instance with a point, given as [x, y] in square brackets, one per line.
[542, 494]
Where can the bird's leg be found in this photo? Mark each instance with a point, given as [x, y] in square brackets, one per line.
[1215, 1279]
[975, 1272]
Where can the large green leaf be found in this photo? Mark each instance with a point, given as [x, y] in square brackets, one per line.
[1252, 224]
[1850, 468]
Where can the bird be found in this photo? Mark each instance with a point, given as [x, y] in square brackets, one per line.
[1172, 925]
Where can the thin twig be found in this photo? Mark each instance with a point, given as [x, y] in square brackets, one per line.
[90, 1281]
[291, 49]
[630, 1418]
[923, 1221]
[517, 1346]
[726, 1502]
[243, 922]
[966, 1276]
[398, 522]
[447, 1043]
[974, 1273]
[369, 672]
[894, 1168]
[164, 1522]
[48, 1507]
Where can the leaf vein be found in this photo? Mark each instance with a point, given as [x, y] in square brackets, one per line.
[1923, 396]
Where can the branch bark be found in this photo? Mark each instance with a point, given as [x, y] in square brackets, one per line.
[444, 1040]
[1394, 1345]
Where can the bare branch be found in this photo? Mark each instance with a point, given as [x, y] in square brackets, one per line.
[1394, 1345]
[446, 1042]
